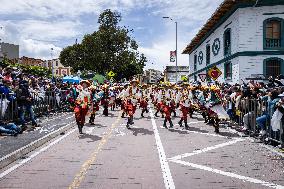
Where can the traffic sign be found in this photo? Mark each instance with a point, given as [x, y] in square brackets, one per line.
[214, 73]
[202, 77]
[111, 74]
[184, 78]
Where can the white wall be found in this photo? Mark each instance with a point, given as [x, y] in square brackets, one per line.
[251, 26]
[233, 22]
[253, 65]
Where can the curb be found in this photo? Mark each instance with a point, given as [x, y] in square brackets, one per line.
[12, 157]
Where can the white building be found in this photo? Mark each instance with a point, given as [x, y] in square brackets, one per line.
[58, 68]
[242, 38]
[152, 76]
[173, 72]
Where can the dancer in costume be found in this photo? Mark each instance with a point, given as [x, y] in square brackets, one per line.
[82, 104]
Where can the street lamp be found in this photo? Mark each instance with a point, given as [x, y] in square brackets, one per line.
[166, 17]
[1, 53]
[51, 53]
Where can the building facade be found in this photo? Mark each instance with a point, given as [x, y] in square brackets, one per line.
[58, 68]
[152, 76]
[31, 61]
[10, 51]
[170, 73]
[242, 38]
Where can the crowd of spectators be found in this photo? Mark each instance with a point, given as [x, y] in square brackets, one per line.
[19, 91]
[257, 106]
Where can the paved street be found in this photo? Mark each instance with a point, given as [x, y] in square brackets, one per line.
[147, 156]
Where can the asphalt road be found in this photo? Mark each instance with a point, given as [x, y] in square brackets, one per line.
[108, 156]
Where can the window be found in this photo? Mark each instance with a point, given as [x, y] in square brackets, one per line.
[227, 42]
[56, 63]
[273, 67]
[272, 33]
[56, 72]
[195, 63]
[207, 54]
[228, 70]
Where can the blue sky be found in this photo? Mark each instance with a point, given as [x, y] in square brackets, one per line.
[38, 25]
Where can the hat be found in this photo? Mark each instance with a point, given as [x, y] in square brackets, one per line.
[134, 80]
[79, 87]
[85, 81]
[281, 95]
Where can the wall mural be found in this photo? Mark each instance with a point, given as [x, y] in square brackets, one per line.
[200, 57]
[216, 47]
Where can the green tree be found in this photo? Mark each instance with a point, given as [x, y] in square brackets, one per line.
[109, 48]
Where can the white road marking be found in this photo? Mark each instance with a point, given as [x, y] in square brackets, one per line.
[179, 157]
[229, 174]
[168, 180]
[3, 174]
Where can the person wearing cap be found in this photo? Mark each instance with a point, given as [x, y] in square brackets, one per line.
[132, 95]
[25, 103]
[167, 111]
[105, 98]
[82, 104]
[184, 108]
[95, 99]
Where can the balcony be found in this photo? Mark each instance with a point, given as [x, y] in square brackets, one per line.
[272, 43]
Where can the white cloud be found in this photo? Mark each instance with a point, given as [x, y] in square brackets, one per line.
[40, 24]
[38, 49]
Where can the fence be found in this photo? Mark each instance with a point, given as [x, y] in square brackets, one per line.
[43, 103]
[255, 115]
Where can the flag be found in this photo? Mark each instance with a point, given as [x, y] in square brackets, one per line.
[172, 56]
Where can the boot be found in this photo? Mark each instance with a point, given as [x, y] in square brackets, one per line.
[216, 125]
[80, 129]
[142, 113]
[156, 114]
[128, 123]
[165, 124]
[186, 126]
[171, 124]
[122, 116]
[175, 114]
[131, 120]
[180, 123]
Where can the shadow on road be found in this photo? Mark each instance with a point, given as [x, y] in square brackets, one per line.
[183, 132]
[92, 137]
[198, 130]
[142, 131]
[228, 134]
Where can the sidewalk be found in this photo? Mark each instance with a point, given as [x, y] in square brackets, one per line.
[12, 148]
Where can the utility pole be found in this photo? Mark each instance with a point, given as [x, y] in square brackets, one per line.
[51, 55]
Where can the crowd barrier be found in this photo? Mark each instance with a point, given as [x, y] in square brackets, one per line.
[248, 111]
[43, 103]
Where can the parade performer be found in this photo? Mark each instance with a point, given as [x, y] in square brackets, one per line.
[82, 104]
[132, 95]
[144, 106]
[105, 99]
[173, 107]
[129, 108]
[184, 108]
[167, 111]
[94, 104]
[217, 110]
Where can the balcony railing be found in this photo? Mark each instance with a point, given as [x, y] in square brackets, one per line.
[272, 43]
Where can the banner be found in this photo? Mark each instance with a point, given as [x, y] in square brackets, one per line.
[172, 56]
